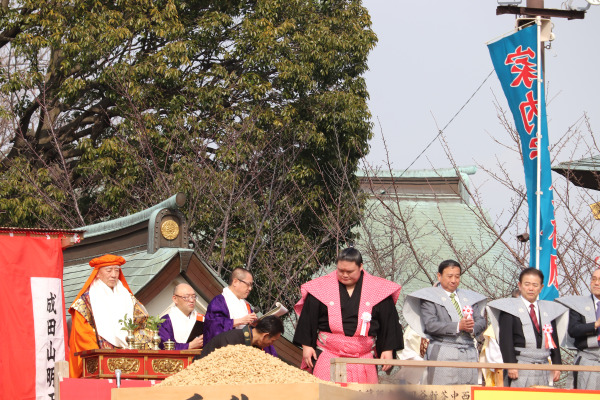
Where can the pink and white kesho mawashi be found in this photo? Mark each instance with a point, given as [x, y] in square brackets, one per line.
[547, 330]
[467, 312]
[366, 323]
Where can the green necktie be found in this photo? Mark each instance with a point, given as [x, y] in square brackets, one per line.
[455, 304]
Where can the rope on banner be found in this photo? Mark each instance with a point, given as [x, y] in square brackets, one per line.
[449, 122]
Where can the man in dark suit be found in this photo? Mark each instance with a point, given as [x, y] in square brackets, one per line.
[527, 331]
[584, 329]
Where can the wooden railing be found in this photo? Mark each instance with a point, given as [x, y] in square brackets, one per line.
[338, 366]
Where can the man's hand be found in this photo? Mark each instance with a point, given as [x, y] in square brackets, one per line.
[387, 355]
[247, 320]
[197, 343]
[514, 374]
[597, 324]
[556, 376]
[308, 354]
[466, 325]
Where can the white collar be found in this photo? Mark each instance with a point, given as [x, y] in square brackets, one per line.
[455, 296]
[182, 324]
[237, 307]
[528, 304]
[108, 307]
[449, 293]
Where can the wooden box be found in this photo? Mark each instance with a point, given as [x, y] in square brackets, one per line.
[290, 391]
[135, 364]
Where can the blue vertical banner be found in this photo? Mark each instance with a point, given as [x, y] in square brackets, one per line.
[515, 60]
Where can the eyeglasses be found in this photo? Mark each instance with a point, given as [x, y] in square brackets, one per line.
[250, 285]
[191, 297]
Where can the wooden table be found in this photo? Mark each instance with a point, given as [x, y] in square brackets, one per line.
[134, 364]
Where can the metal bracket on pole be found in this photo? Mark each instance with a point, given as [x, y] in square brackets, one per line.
[546, 34]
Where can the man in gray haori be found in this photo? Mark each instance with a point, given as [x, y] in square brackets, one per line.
[584, 331]
[529, 331]
[450, 318]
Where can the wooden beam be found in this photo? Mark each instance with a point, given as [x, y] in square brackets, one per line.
[337, 364]
[464, 364]
[542, 12]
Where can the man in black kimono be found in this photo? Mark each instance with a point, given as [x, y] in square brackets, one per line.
[348, 313]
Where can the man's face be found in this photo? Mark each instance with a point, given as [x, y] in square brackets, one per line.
[449, 278]
[265, 340]
[242, 287]
[348, 272]
[109, 275]
[595, 284]
[185, 299]
[530, 286]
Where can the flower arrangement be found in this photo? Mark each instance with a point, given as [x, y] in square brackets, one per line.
[128, 324]
[153, 323]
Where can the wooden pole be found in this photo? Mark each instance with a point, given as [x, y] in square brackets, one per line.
[61, 370]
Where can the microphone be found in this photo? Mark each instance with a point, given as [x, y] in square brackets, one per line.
[118, 376]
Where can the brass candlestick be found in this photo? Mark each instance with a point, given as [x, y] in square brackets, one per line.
[169, 345]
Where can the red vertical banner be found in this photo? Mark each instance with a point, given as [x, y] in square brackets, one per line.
[34, 328]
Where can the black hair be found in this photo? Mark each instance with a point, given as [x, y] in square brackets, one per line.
[271, 325]
[352, 255]
[448, 263]
[531, 271]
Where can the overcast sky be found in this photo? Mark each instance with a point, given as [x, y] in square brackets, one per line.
[431, 57]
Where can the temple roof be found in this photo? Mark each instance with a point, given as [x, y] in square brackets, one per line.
[138, 239]
[173, 202]
[584, 173]
[155, 245]
[417, 224]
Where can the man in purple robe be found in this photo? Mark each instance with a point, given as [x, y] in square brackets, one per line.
[182, 324]
[230, 310]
